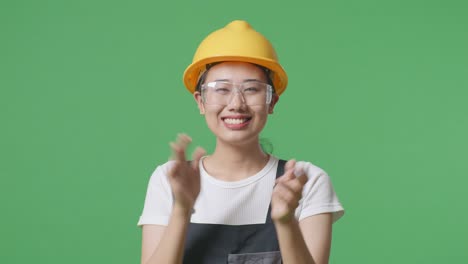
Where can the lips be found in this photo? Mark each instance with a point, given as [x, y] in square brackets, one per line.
[236, 122]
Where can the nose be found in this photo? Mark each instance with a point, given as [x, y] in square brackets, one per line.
[237, 100]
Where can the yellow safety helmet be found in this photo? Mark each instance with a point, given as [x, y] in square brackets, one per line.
[237, 41]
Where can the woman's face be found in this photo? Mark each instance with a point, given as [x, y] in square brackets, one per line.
[236, 122]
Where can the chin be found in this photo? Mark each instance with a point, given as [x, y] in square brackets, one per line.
[238, 140]
[238, 137]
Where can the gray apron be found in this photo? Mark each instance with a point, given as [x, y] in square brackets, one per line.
[220, 244]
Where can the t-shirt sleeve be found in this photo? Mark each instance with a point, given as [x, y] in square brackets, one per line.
[158, 200]
[318, 195]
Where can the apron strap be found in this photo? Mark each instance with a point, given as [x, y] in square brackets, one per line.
[279, 173]
[280, 169]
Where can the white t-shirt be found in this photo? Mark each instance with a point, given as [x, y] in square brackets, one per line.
[240, 202]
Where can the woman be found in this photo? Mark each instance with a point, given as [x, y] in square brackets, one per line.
[239, 204]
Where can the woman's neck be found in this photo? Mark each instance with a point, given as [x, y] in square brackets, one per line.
[232, 162]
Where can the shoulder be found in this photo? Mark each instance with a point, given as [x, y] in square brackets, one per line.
[318, 178]
[319, 195]
[313, 171]
[159, 175]
[317, 175]
[163, 168]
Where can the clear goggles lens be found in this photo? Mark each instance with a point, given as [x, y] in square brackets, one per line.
[221, 92]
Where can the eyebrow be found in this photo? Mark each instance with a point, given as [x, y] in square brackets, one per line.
[246, 80]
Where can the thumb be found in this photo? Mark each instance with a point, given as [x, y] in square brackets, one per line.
[290, 165]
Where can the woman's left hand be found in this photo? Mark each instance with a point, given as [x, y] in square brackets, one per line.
[287, 193]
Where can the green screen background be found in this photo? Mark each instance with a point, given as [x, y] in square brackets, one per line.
[91, 94]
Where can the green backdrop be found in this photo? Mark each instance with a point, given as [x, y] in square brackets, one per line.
[91, 94]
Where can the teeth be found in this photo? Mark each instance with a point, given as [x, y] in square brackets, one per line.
[235, 121]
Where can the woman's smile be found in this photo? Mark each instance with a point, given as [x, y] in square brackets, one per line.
[236, 122]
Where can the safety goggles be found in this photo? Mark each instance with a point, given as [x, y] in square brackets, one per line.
[222, 92]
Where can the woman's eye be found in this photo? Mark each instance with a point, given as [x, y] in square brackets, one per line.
[222, 90]
[251, 89]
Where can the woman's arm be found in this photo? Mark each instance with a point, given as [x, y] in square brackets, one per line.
[162, 244]
[317, 233]
[308, 241]
[166, 244]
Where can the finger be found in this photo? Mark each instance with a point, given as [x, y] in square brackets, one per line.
[288, 175]
[290, 167]
[178, 153]
[287, 195]
[298, 169]
[290, 164]
[183, 140]
[288, 170]
[281, 178]
[303, 179]
[300, 173]
[196, 156]
[180, 146]
[295, 186]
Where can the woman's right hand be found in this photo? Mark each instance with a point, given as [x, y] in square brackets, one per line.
[184, 177]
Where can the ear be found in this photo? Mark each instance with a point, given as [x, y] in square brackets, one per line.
[274, 100]
[198, 98]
